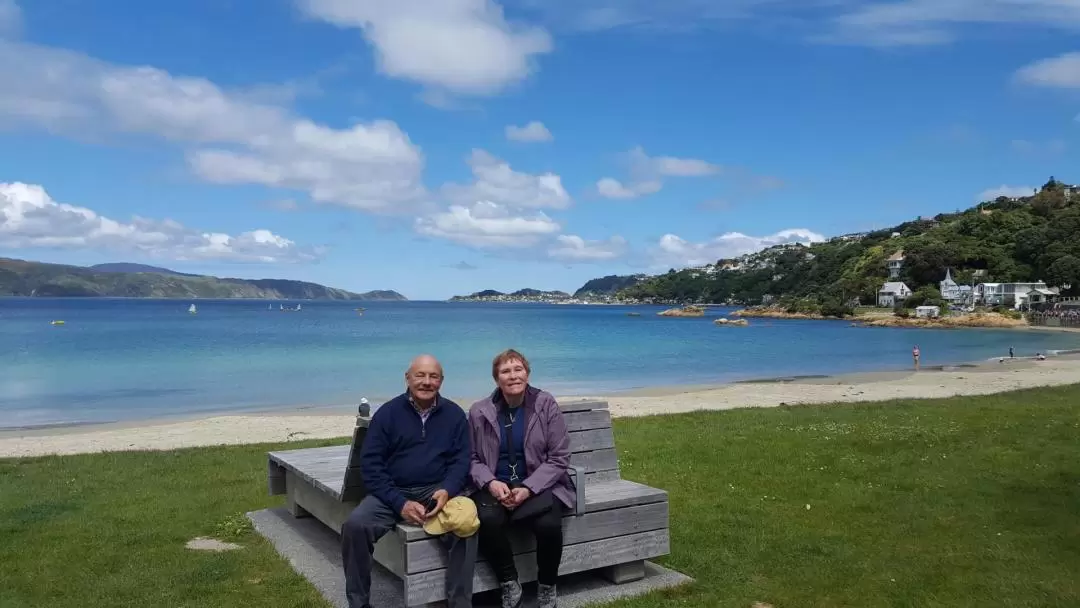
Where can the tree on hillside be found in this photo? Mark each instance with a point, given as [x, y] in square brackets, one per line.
[927, 295]
[1052, 184]
[1064, 271]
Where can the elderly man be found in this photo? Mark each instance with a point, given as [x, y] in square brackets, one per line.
[414, 459]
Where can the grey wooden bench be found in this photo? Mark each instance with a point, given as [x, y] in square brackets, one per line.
[616, 525]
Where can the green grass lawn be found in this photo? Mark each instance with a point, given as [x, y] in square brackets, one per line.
[955, 502]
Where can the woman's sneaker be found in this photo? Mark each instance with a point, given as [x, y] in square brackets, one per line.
[545, 596]
[511, 594]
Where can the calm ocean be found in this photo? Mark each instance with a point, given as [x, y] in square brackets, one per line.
[121, 359]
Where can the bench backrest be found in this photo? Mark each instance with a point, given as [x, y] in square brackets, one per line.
[592, 446]
[592, 442]
[352, 488]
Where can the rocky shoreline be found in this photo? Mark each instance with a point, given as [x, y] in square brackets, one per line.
[974, 320]
[983, 320]
[775, 313]
[685, 311]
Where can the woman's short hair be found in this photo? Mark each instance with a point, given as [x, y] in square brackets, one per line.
[505, 357]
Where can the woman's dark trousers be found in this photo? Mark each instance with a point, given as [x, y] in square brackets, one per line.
[495, 526]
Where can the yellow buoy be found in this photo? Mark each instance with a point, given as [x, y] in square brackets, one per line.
[57, 323]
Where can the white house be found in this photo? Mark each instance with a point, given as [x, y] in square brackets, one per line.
[928, 312]
[1042, 296]
[1005, 294]
[952, 292]
[896, 264]
[892, 292]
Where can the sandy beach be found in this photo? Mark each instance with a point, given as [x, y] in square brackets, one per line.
[986, 378]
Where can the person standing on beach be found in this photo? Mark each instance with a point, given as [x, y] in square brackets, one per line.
[915, 355]
[1011, 356]
[415, 458]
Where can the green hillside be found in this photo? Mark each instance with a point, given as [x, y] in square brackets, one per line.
[23, 278]
[608, 285]
[1009, 239]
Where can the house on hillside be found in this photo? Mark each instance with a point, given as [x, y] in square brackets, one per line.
[952, 292]
[1008, 294]
[892, 292]
[896, 264]
[1070, 191]
[1040, 297]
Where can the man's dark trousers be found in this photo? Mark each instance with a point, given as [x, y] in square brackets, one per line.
[369, 521]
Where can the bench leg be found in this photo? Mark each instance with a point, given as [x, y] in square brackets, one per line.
[294, 507]
[624, 573]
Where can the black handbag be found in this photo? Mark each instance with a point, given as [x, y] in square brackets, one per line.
[534, 505]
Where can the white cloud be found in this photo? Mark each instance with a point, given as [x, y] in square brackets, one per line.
[281, 204]
[372, 166]
[10, 18]
[610, 187]
[880, 23]
[1061, 72]
[1010, 191]
[487, 225]
[647, 173]
[29, 217]
[533, 132]
[463, 46]
[495, 181]
[923, 22]
[674, 251]
[573, 248]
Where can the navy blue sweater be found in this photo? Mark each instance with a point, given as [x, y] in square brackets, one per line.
[400, 451]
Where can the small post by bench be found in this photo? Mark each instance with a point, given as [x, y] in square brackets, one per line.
[616, 525]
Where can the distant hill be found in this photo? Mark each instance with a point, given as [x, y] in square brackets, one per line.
[521, 295]
[129, 267]
[609, 285]
[25, 278]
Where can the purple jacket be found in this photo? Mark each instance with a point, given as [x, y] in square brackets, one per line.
[547, 445]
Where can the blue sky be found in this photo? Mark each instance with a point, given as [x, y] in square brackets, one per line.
[439, 147]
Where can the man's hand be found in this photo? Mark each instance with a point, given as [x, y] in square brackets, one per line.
[413, 512]
[518, 496]
[499, 490]
[440, 497]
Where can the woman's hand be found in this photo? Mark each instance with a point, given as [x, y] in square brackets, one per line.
[518, 496]
[499, 490]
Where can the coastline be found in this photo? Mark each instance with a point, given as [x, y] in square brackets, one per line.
[980, 378]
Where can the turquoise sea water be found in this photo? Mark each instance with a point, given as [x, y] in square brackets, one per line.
[126, 359]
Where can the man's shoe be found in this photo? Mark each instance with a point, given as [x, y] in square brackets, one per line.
[545, 596]
[511, 594]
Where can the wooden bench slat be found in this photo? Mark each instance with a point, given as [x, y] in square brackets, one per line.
[582, 405]
[587, 420]
[595, 439]
[598, 497]
[597, 460]
[429, 554]
[429, 586]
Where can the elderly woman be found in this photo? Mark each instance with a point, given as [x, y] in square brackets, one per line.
[520, 453]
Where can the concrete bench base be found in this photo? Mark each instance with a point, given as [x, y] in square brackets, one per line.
[314, 551]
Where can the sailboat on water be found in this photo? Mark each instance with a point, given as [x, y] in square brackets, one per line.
[191, 309]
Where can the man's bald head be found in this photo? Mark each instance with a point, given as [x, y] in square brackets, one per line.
[424, 379]
[424, 361]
